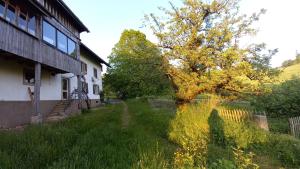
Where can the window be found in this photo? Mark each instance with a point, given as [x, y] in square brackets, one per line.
[22, 21]
[49, 33]
[31, 25]
[101, 69]
[62, 42]
[83, 68]
[85, 87]
[11, 14]
[71, 48]
[56, 38]
[28, 77]
[96, 90]
[2, 8]
[95, 73]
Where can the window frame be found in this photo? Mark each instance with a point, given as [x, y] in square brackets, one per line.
[95, 86]
[55, 32]
[15, 12]
[57, 46]
[18, 12]
[26, 20]
[95, 70]
[56, 39]
[101, 68]
[28, 70]
[4, 10]
[68, 52]
[85, 87]
[85, 68]
[35, 24]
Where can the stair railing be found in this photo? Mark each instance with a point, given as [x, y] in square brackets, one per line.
[75, 96]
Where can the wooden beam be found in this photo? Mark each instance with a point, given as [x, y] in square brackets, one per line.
[37, 89]
[79, 89]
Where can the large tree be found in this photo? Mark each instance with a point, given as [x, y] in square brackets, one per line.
[201, 47]
[136, 67]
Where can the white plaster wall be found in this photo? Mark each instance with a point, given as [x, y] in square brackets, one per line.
[90, 73]
[11, 82]
[13, 89]
[50, 86]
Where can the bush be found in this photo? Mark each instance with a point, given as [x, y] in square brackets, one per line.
[279, 125]
[205, 140]
[223, 164]
[282, 101]
[285, 148]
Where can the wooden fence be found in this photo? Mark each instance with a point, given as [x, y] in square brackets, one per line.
[238, 115]
[295, 126]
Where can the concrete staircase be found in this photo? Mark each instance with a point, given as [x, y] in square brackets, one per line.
[58, 112]
[61, 109]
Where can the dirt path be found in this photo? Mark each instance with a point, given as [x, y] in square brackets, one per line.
[125, 116]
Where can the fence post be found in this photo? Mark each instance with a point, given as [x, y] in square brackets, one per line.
[261, 121]
[295, 126]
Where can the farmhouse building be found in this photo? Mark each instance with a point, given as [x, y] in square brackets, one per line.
[45, 70]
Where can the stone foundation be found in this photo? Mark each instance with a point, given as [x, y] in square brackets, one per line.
[17, 113]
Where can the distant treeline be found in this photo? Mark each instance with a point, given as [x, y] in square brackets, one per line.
[291, 62]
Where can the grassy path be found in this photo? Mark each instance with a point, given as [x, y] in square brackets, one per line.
[125, 116]
[94, 140]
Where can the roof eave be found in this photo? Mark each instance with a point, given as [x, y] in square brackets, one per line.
[71, 13]
[96, 56]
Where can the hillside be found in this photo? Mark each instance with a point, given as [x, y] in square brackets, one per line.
[289, 72]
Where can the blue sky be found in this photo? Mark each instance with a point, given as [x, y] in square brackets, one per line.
[106, 19]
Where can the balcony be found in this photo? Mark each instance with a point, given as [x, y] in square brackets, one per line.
[26, 46]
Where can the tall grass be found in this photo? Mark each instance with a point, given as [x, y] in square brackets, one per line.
[207, 140]
[93, 140]
[193, 137]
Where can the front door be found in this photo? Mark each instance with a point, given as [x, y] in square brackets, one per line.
[65, 89]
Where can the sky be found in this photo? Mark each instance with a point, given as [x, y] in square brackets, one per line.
[107, 19]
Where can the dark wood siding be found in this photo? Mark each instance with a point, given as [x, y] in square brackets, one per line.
[60, 15]
[18, 42]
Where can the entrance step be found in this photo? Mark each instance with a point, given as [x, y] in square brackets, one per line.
[55, 118]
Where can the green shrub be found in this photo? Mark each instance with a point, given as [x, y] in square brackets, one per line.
[244, 160]
[223, 164]
[282, 101]
[279, 125]
[285, 148]
[243, 134]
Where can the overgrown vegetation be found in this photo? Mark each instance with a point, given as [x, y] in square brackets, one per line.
[196, 136]
[93, 140]
[208, 141]
[282, 101]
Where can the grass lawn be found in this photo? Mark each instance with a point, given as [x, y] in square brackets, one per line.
[99, 139]
[93, 140]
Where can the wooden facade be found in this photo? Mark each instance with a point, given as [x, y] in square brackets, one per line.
[21, 43]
